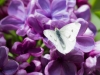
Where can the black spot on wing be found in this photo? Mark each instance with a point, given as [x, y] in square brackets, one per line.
[72, 30]
[50, 36]
[55, 40]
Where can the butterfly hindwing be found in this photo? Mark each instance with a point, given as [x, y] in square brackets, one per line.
[51, 35]
[69, 45]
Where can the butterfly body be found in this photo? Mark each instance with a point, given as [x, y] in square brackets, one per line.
[63, 39]
[60, 38]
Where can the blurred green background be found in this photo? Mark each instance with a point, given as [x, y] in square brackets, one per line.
[95, 16]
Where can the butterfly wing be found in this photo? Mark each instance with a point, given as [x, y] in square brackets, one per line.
[68, 34]
[70, 31]
[51, 35]
[69, 45]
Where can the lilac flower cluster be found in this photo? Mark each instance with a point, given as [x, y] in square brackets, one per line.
[35, 54]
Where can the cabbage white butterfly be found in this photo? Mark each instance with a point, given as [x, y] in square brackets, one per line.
[64, 39]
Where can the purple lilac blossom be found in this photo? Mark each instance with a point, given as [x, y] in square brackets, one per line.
[2, 40]
[32, 68]
[18, 14]
[7, 67]
[49, 15]
[36, 22]
[25, 49]
[84, 12]
[32, 17]
[91, 66]
[81, 2]
[44, 61]
[40, 21]
[64, 64]
[84, 43]
[4, 6]
[96, 49]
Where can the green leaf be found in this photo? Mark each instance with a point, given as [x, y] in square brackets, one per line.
[96, 6]
[97, 13]
[2, 2]
[10, 54]
[91, 2]
[97, 38]
[95, 20]
[30, 59]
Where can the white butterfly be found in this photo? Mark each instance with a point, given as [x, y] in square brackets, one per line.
[64, 39]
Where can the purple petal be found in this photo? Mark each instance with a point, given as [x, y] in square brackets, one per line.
[48, 43]
[10, 22]
[34, 36]
[21, 72]
[84, 43]
[84, 25]
[23, 57]
[17, 46]
[1, 73]
[58, 5]
[91, 30]
[29, 43]
[11, 67]
[3, 55]
[44, 4]
[55, 68]
[81, 71]
[92, 27]
[35, 73]
[58, 23]
[83, 12]
[98, 61]
[30, 68]
[32, 21]
[70, 3]
[89, 33]
[75, 55]
[22, 31]
[24, 65]
[37, 52]
[44, 60]
[61, 15]
[31, 7]
[85, 70]
[16, 8]
[41, 16]
[60, 68]
[97, 72]
[26, 2]
[91, 62]
[82, 2]
[96, 49]
[37, 64]
[2, 40]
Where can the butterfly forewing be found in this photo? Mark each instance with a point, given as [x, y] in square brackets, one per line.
[70, 31]
[51, 35]
[69, 45]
